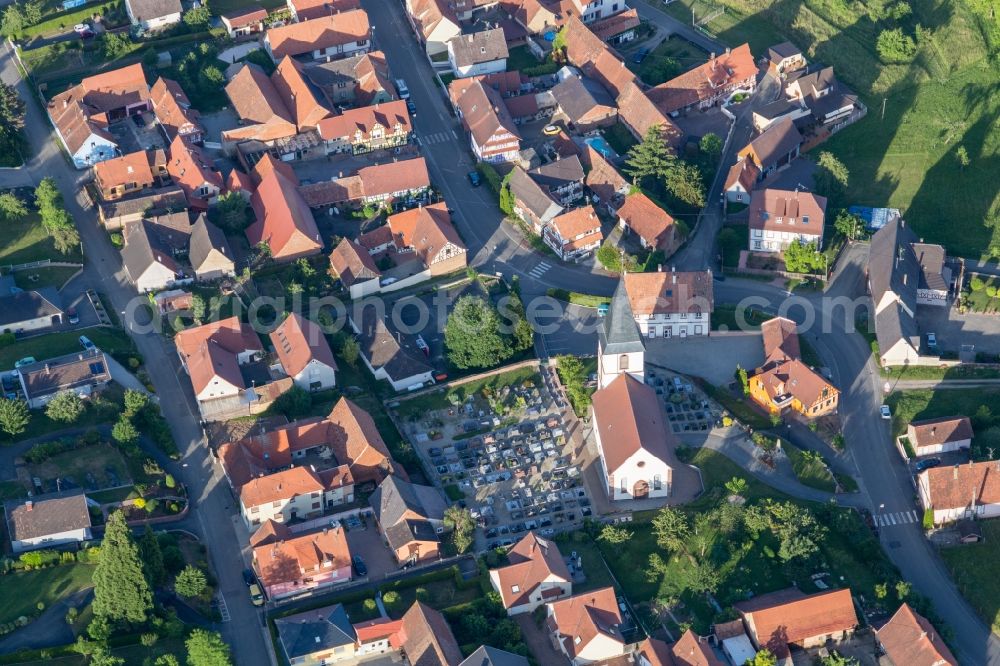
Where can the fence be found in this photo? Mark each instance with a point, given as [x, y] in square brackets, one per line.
[41, 263]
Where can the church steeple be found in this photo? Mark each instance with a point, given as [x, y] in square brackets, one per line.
[619, 344]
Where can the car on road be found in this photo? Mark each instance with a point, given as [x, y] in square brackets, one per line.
[86, 343]
[475, 178]
[248, 577]
[404, 92]
[72, 316]
[602, 309]
[885, 412]
[411, 107]
[641, 55]
[927, 463]
[256, 596]
[27, 360]
[359, 566]
[551, 130]
[83, 30]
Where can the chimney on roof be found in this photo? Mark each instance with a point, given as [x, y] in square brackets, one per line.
[46, 368]
[29, 505]
[954, 473]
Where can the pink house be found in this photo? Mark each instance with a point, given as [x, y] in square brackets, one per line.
[287, 563]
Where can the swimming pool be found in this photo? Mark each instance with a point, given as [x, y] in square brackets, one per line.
[599, 144]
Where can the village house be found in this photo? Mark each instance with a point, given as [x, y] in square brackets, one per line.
[785, 57]
[361, 80]
[209, 253]
[82, 113]
[492, 132]
[689, 650]
[787, 619]
[346, 436]
[586, 627]
[784, 382]
[244, 21]
[535, 574]
[173, 302]
[23, 310]
[574, 234]
[321, 636]
[562, 178]
[608, 188]
[709, 84]
[909, 639]
[352, 264]
[294, 493]
[434, 22]
[306, 110]
[389, 354]
[765, 116]
[532, 203]
[261, 111]
[619, 28]
[670, 304]
[173, 111]
[941, 435]
[304, 354]
[478, 53]
[47, 522]
[653, 226]
[831, 105]
[740, 181]
[304, 10]
[149, 263]
[117, 213]
[969, 490]
[323, 38]
[410, 517]
[367, 129]
[152, 15]
[83, 373]
[426, 639]
[777, 218]
[290, 563]
[382, 184]
[193, 173]
[129, 174]
[774, 149]
[283, 219]
[584, 104]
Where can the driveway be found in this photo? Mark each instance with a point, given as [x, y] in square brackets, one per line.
[954, 329]
[713, 358]
[368, 543]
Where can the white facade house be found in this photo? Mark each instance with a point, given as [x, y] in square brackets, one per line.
[674, 324]
[585, 627]
[943, 435]
[671, 304]
[969, 490]
[478, 53]
[642, 475]
[81, 373]
[536, 574]
[778, 218]
[316, 376]
[45, 523]
[95, 148]
[765, 240]
[151, 15]
[294, 493]
[599, 9]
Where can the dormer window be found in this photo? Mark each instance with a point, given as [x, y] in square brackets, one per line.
[805, 219]
[515, 589]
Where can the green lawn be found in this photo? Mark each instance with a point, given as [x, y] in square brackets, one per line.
[809, 468]
[576, 298]
[935, 372]
[725, 315]
[112, 12]
[435, 400]
[75, 465]
[671, 57]
[24, 240]
[47, 276]
[975, 568]
[23, 591]
[596, 571]
[12, 490]
[619, 138]
[982, 404]
[110, 340]
[733, 239]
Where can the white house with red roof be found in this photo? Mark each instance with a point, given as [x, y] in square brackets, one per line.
[586, 627]
[537, 574]
[304, 354]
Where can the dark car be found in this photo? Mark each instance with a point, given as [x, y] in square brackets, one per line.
[641, 55]
[248, 577]
[411, 107]
[73, 316]
[927, 464]
[475, 178]
[359, 566]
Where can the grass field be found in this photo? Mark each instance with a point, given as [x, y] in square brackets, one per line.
[110, 340]
[725, 315]
[671, 57]
[112, 12]
[943, 99]
[47, 276]
[24, 240]
[809, 468]
[975, 568]
[981, 404]
[23, 591]
[441, 399]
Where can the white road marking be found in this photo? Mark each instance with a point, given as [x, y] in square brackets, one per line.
[223, 608]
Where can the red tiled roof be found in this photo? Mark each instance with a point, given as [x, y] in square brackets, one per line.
[388, 116]
[191, 170]
[584, 617]
[667, 292]
[284, 220]
[649, 221]
[211, 349]
[298, 96]
[532, 562]
[704, 81]
[311, 9]
[319, 33]
[297, 556]
[908, 639]
[958, 486]
[789, 617]
[298, 341]
[789, 211]
[173, 108]
[628, 414]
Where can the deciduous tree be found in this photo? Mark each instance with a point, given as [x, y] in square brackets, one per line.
[848, 225]
[671, 527]
[66, 407]
[206, 648]
[14, 416]
[473, 337]
[124, 432]
[190, 582]
[11, 207]
[615, 534]
[462, 525]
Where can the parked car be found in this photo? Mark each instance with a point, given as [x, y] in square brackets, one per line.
[927, 463]
[551, 130]
[27, 360]
[404, 92]
[359, 566]
[932, 342]
[256, 596]
[86, 343]
[72, 316]
[885, 412]
[83, 30]
[602, 309]
[248, 577]
[411, 107]
[475, 178]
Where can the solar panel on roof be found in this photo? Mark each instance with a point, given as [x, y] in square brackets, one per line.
[97, 368]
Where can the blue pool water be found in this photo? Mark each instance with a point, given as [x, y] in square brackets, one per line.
[600, 145]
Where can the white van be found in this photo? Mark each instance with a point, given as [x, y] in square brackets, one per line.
[404, 92]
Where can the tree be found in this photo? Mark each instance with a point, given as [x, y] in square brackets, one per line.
[559, 43]
[837, 659]
[115, 45]
[711, 145]
[671, 528]
[831, 175]
[190, 582]
[616, 535]
[12, 208]
[350, 350]
[65, 238]
[135, 402]
[56, 221]
[881, 590]
[506, 198]
[684, 181]
[124, 431]
[12, 139]
[101, 657]
[803, 258]
[763, 658]
[796, 528]
[13, 20]
[14, 416]
[166, 660]
[121, 591]
[741, 377]
[462, 525]
[211, 77]
[962, 155]
[197, 18]
[152, 558]
[206, 648]
[472, 335]
[293, 403]
[66, 406]
[902, 590]
[32, 12]
[737, 486]
[895, 46]
[847, 225]
[649, 157]
[198, 308]
[230, 212]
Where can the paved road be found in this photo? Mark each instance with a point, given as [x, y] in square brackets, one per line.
[211, 499]
[672, 26]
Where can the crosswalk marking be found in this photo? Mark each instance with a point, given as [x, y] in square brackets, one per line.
[223, 608]
[539, 270]
[440, 137]
[896, 518]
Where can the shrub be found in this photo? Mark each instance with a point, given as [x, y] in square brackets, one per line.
[169, 481]
[928, 520]
[369, 605]
[148, 639]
